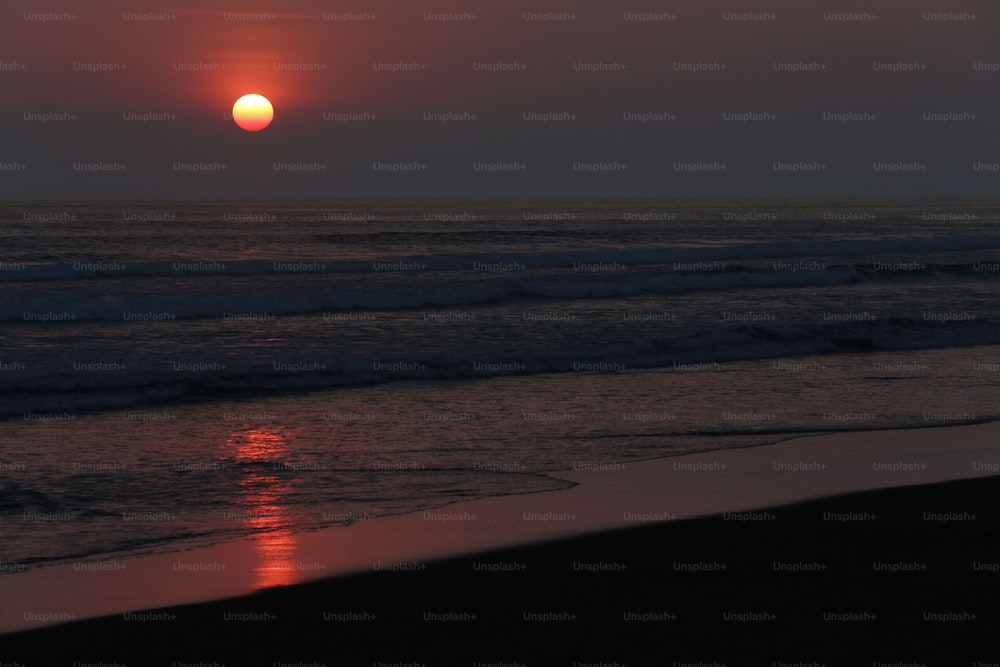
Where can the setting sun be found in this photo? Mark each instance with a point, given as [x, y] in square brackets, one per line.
[253, 112]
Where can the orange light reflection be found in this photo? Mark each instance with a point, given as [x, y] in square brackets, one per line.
[261, 451]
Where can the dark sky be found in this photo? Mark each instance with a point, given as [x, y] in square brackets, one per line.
[67, 131]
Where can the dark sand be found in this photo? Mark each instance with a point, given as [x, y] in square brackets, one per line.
[955, 573]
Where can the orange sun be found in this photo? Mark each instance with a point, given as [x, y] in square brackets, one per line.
[253, 112]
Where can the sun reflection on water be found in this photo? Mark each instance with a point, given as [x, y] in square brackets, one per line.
[260, 452]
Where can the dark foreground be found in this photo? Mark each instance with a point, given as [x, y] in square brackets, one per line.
[884, 585]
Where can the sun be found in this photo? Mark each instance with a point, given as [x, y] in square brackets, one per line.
[253, 112]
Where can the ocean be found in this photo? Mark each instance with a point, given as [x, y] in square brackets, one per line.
[177, 374]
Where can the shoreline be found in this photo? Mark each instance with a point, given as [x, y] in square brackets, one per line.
[665, 489]
[862, 578]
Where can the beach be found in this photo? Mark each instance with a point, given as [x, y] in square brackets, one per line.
[499, 335]
[840, 549]
[536, 433]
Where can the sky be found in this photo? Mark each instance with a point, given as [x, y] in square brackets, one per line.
[522, 99]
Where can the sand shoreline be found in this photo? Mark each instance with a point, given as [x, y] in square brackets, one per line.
[899, 576]
[667, 489]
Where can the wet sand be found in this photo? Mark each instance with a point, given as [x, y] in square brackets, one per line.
[670, 561]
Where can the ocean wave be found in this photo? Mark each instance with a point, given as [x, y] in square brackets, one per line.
[628, 257]
[218, 305]
[41, 398]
